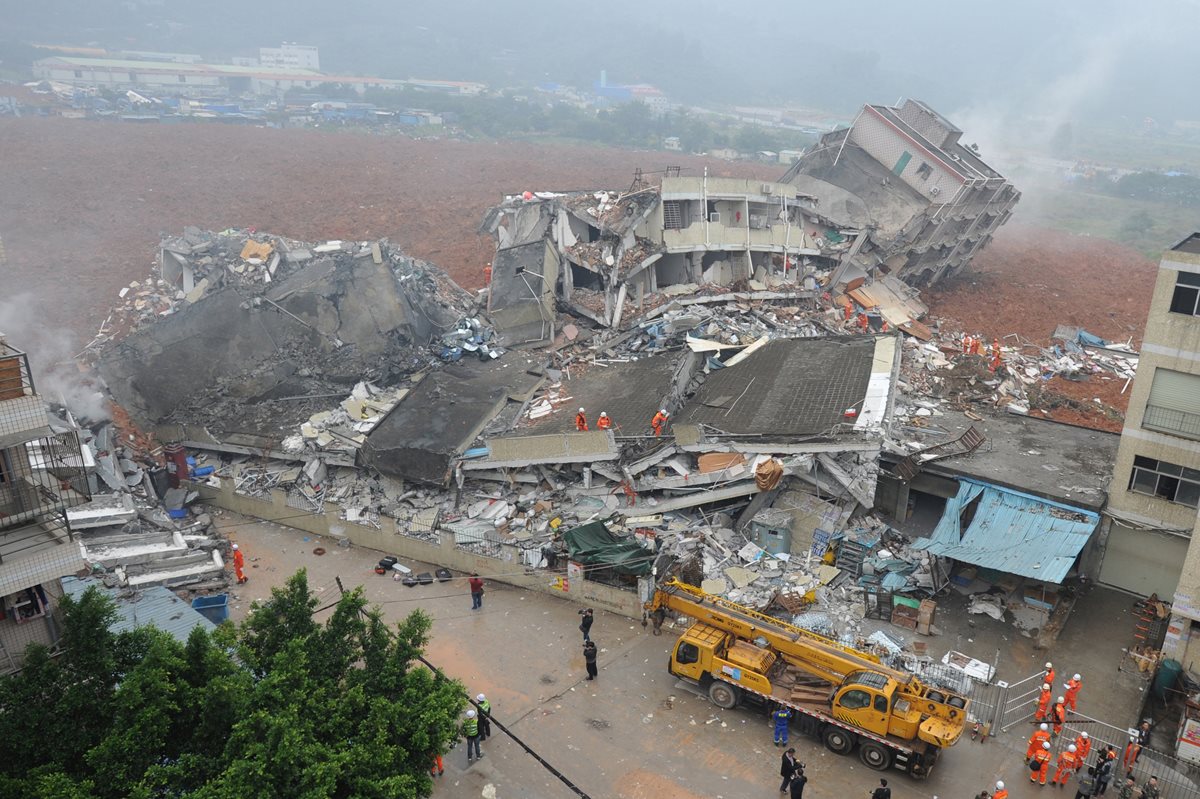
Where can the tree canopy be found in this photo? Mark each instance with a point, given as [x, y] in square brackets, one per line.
[280, 706]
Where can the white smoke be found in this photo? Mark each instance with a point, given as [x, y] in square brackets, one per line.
[56, 373]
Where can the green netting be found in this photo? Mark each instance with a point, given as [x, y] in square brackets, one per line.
[593, 545]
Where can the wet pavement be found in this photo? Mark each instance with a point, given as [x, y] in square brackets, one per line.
[639, 733]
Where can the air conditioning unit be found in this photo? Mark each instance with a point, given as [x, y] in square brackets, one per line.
[767, 188]
[715, 217]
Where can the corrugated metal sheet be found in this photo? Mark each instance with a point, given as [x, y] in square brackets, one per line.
[147, 607]
[1011, 532]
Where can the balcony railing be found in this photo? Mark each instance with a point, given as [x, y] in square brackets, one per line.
[16, 380]
[1166, 420]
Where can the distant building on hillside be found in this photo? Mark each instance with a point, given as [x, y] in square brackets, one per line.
[290, 55]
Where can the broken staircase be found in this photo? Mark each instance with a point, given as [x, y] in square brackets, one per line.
[910, 466]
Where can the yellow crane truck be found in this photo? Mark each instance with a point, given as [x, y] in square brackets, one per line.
[845, 697]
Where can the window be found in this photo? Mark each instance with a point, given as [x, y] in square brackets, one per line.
[687, 653]
[924, 171]
[79, 73]
[881, 704]
[1166, 481]
[1174, 404]
[855, 699]
[1186, 299]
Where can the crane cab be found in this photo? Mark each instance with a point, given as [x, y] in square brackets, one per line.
[704, 651]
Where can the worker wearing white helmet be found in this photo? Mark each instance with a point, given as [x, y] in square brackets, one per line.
[1072, 690]
[1083, 745]
[239, 564]
[1043, 703]
[659, 421]
[1068, 764]
[1058, 715]
[1040, 736]
[1041, 764]
[1001, 792]
[604, 422]
[485, 712]
[581, 421]
[470, 730]
[1049, 674]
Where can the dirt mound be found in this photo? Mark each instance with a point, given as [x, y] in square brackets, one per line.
[1029, 279]
[83, 203]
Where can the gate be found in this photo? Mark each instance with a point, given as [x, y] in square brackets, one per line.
[1177, 779]
[1020, 701]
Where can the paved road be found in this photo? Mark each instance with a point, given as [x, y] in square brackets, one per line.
[634, 733]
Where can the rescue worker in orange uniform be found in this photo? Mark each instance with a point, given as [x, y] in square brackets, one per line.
[1001, 792]
[966, 344]
[863, 322]
[1083, 746]
[487, 275]
[239, 563]
[604, 423]
[847, 312]
[1041, 764]
[1068, 764]
[977, 346]
[1048, 677]
[1072, 693]
[1040, 736]
[1132, 750]
[1043, 707]
[659, 421]
[1058, 715]
[581, 421]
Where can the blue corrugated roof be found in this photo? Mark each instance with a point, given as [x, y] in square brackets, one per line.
[152, 606]
[1011, 532]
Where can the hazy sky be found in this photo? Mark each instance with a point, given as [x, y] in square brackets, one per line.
[1105, 60]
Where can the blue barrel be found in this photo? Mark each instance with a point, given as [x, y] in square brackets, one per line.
[1168, 674]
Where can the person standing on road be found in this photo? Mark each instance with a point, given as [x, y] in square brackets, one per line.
[585, 624]
[781, 717]
[1083, 747]
[476, 583]
[1104, 769]
[1071, 692]
[787, 768]
[882, 792]
[485, 717]
[796, 786]
[1001, 791]
[1128, 790]
[1150, 789]
[589, 659]
[1086, 784]
[1043, 704]
[1133, 750]
[470, 730]
[239, 563]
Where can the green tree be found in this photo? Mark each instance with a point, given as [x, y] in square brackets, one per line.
[282, 706]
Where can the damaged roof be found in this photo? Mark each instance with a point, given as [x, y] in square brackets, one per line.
[788, 388]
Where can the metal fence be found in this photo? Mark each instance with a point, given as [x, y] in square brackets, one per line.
[1177, 779]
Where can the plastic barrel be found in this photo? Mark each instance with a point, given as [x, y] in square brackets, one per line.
[1168, 674]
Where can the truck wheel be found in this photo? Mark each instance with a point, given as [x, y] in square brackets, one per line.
[838, 740]
[723, 695]
[874, 756]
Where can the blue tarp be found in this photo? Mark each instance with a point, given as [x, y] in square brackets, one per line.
[1011, 532]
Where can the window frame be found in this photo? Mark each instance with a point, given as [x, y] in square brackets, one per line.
[1169, 481]
[1186, 283]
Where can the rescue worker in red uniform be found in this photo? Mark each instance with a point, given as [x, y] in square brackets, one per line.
[1132, 750]
[1001, 791]
[1040, 764]
[1083, 747]
[581, 421]
[1068, 764]
[1058, 715]
[1040, 736]
[1043, 706]
[239, 563]
[1048, 677]
[604, 422]
[659, 421]
[1072, 693]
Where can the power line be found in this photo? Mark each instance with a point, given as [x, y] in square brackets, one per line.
[563, 778]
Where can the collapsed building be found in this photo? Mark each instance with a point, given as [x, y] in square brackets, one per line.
[894, 200]
[822, 454]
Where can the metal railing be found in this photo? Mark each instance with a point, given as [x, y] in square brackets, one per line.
[16, 379]
[1172, 421]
